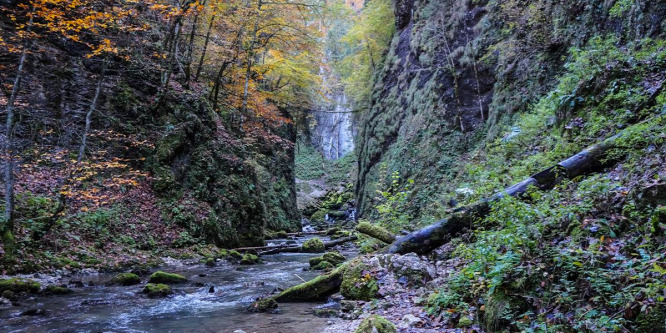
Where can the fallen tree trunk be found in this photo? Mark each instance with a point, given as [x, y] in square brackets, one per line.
[376, 232]
[298, 248]
[593, 158]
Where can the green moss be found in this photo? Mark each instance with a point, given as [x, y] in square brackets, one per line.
[160, 277]
[376, 324]
[315, 261]
[358, 283]
[313, 245]
[334, 258]
[223, 253]
[319, 216]
[57, 290]
[264, 305]
[157, 290]
[18, 285]
[323, 266]
[210, 262]
[465, 322]
[125, 279]
[249, 259]
[235, 254]
[376, 232]
[314, 289]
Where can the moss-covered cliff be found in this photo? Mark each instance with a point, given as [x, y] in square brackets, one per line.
[457, 74]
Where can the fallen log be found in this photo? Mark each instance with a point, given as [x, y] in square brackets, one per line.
[590, 159]
[298, 248]
[376, 232]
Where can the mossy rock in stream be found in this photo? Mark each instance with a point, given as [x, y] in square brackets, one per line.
[154, 290]
[313, 245]
[235, 254]
[19, 285]
[264, 305]
[57, 290]
[358, 283]
[124, 279]
[167, 278]
[323, 266]
[210, 262]
[250, 259]
[376, 324]
[334, 258]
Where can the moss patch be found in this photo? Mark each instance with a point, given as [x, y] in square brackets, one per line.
[313, 245]
[358, 282]
[167, 278]
[18, 285]
[57, 290]
[155, 290]
[125, 279]
[376, 324]
[249, 259]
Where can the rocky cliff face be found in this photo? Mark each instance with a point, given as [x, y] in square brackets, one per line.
[457, 72]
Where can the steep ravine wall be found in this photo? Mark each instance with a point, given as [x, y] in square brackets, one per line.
[458, 71]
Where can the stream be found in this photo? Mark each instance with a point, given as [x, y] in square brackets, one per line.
[192, 308]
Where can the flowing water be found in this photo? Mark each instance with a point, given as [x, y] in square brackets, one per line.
[193, 308]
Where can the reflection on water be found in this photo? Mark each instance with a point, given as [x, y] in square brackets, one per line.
[195, 307]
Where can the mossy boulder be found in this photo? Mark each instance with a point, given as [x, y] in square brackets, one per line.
[323, 266]
[166, 278]
[319, 216]
[314, 245]
[210, 262]
[264, 305]
[235, 254]
[465, 322]
[315, 261]
[155, 290]
[18, 285]
[358, 283]
[125, 279]
[334, 258]
[376, 324]
[57, 290]
[250, 259]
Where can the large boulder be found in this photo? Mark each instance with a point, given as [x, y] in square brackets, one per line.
[376, 324]
[166, 278]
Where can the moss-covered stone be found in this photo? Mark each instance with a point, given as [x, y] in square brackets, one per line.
[166, 278]
[323, 266]
[18, 285]
[57, 290]
[376, 324]
[315, 261]
[313, 245]
[358, 283]
[125, 279]
[319, 216]
[465, 322]
[10, 295]
[235, 254]
[334, 258]
[155, 290]
[249, 259]
[210, 262]
[264, 305]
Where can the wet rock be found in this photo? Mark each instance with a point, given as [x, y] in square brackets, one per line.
[211, 289]
[249, 259]
[9, 295]
[376, 324]
[18, 285]
[313, 245]
[358, 282]
[57, 290]
[76, 284]
[124, 279]
[166, 278]
[235, 254]
[264, 305]
[410, 269]
[325, 313]
[157, 290]
[34, 312]
[411, 321]
[210, 262]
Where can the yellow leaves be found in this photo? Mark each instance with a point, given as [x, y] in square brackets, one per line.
[104, 47]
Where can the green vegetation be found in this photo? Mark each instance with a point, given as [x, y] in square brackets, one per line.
[125, 279]
[313, 245]
[160, 277]
[157, 290]
[57, 290]
[18, 285]
[358, 282]
[250, 259]
[377, 324]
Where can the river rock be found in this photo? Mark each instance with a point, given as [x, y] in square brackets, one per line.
[411, 321]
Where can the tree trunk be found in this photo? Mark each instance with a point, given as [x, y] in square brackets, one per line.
[8, 225]
[205, 48]
[376, 232]
[298, 248]
[591, 159]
